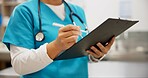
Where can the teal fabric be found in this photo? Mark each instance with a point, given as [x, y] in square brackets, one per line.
[24, 25]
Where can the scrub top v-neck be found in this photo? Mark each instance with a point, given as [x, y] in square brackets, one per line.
[23, 26]
[53, 13]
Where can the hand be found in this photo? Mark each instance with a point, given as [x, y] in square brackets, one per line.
[103, 49]
[67, 37]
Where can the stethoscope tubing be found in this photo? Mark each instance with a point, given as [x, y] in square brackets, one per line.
[71, 17]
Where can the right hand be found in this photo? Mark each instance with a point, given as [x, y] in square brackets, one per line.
[67, 36]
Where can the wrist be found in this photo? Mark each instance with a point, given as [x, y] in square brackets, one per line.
[53, 50]
[93, 59]
[56, 45]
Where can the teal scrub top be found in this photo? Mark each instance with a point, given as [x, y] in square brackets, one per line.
[24, 25]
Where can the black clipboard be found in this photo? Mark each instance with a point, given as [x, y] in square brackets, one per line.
[103, 33]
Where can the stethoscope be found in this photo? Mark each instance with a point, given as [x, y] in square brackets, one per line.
[40, 35]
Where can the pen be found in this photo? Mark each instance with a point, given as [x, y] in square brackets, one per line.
[61, 25]
[58, 25]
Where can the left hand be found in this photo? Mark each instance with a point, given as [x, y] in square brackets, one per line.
[103, 49]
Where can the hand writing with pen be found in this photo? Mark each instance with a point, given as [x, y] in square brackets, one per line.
[68, 35]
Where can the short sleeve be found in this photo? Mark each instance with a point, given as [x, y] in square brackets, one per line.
[19, 31]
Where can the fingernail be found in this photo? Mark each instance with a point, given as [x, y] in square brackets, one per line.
[78, 27]
[87, 51]
[99, 43]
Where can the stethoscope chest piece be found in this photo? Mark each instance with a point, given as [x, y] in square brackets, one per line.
[39, 36]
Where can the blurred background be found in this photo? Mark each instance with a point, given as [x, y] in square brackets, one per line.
[128, 56]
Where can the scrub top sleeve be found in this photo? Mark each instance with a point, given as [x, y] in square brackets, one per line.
[19, 31]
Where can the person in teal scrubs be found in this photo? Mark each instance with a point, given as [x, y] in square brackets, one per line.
[24, 25]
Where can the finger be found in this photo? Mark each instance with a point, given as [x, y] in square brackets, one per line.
[93, 54]
[69, 28]
[102, 48]
[111, 42]
[71, 39]
[70, 44]
[70, 33]
[94, 49]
